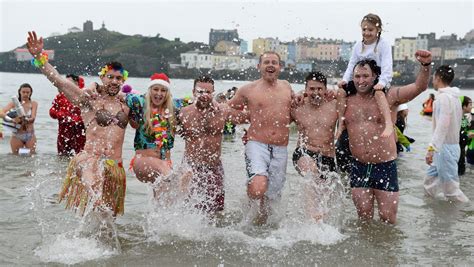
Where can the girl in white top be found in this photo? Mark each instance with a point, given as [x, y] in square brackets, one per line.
[373, 46]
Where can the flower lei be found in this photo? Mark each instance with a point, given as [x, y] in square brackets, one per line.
[106, 68]
[160, 129]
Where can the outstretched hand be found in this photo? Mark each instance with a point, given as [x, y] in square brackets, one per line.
[423, 56]
[35, 45]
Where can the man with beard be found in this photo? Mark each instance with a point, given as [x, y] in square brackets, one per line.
[374, 170]
[96, 174]
[315, 153]
[202, 129]
[269, 101]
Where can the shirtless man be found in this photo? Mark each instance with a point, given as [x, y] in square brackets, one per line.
[374, 171]
[96, 174]
[202, 128]
[315, 153]
[269, 101]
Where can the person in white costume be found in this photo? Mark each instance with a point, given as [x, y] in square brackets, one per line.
[443, 152]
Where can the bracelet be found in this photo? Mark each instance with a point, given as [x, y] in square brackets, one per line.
[40, 60]
[426, 64]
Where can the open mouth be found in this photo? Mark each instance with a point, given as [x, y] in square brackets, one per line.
[270, 70]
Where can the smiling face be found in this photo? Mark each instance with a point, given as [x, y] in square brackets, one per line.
[315, 91]
[369, 32]
[203, 93]
[112, 80]
[158, 95]
[363, 79]
[269, 66]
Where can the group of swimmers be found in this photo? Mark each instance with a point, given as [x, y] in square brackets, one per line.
[362, 110]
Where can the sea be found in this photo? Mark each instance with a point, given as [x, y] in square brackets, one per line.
[36, 230]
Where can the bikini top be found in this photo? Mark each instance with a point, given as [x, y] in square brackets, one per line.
[104, 118]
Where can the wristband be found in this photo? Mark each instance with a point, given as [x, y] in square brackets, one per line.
[425, 64]
[40, 60]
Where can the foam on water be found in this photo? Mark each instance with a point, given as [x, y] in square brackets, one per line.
[72, 249]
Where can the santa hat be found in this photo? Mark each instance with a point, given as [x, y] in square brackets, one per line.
[159, 78]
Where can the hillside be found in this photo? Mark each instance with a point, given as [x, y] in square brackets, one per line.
[85, 52]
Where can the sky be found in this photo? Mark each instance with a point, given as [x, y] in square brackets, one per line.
[192, 20]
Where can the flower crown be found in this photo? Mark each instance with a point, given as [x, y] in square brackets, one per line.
[106, 68]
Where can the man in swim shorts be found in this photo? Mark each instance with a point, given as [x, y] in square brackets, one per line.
[374, 171]
[202, 129]
[268, 100]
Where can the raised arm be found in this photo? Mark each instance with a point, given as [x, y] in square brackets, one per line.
[72, 92]
[403, 94]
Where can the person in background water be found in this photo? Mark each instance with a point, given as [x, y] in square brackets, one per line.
[470, 144]
[443, 151]
[428, 106]
[466, 104]
[372, 46]
[23, 126]
[71, 130]
[403, 141]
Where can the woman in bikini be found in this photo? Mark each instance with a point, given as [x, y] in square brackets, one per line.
[152, 114]
[23, 126]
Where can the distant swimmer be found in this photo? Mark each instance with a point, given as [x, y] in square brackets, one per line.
[428, 106]
[19, 116]
[71, 129]
[96, 175]
[202, 125]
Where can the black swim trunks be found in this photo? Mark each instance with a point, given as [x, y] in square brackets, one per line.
[381, 176]
[325, 164]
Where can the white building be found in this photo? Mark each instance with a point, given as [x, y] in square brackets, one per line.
[196, 60]
[22, 54]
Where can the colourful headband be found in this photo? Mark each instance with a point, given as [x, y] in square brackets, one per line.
[106, 68]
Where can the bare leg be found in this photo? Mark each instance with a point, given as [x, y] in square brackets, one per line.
[388, 205]
[15, 144]
[363, 199]
[256, 190]
[148, 168]
[31, 144]
[306, 165]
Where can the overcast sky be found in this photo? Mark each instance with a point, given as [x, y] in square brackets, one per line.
[191, 20]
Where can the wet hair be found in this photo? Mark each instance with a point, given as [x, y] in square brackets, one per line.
[203, 79]
[269, 53]
[25, 85]
[372, 65]
[316, 76]
[377, 22]
[73, 76]
[465, 101]
[445, 73]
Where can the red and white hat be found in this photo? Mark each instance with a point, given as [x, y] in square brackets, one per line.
[159, 78]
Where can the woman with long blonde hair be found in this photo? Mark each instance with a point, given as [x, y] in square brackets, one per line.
[152, 115]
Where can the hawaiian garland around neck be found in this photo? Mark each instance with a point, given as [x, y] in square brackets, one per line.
[161, 128]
